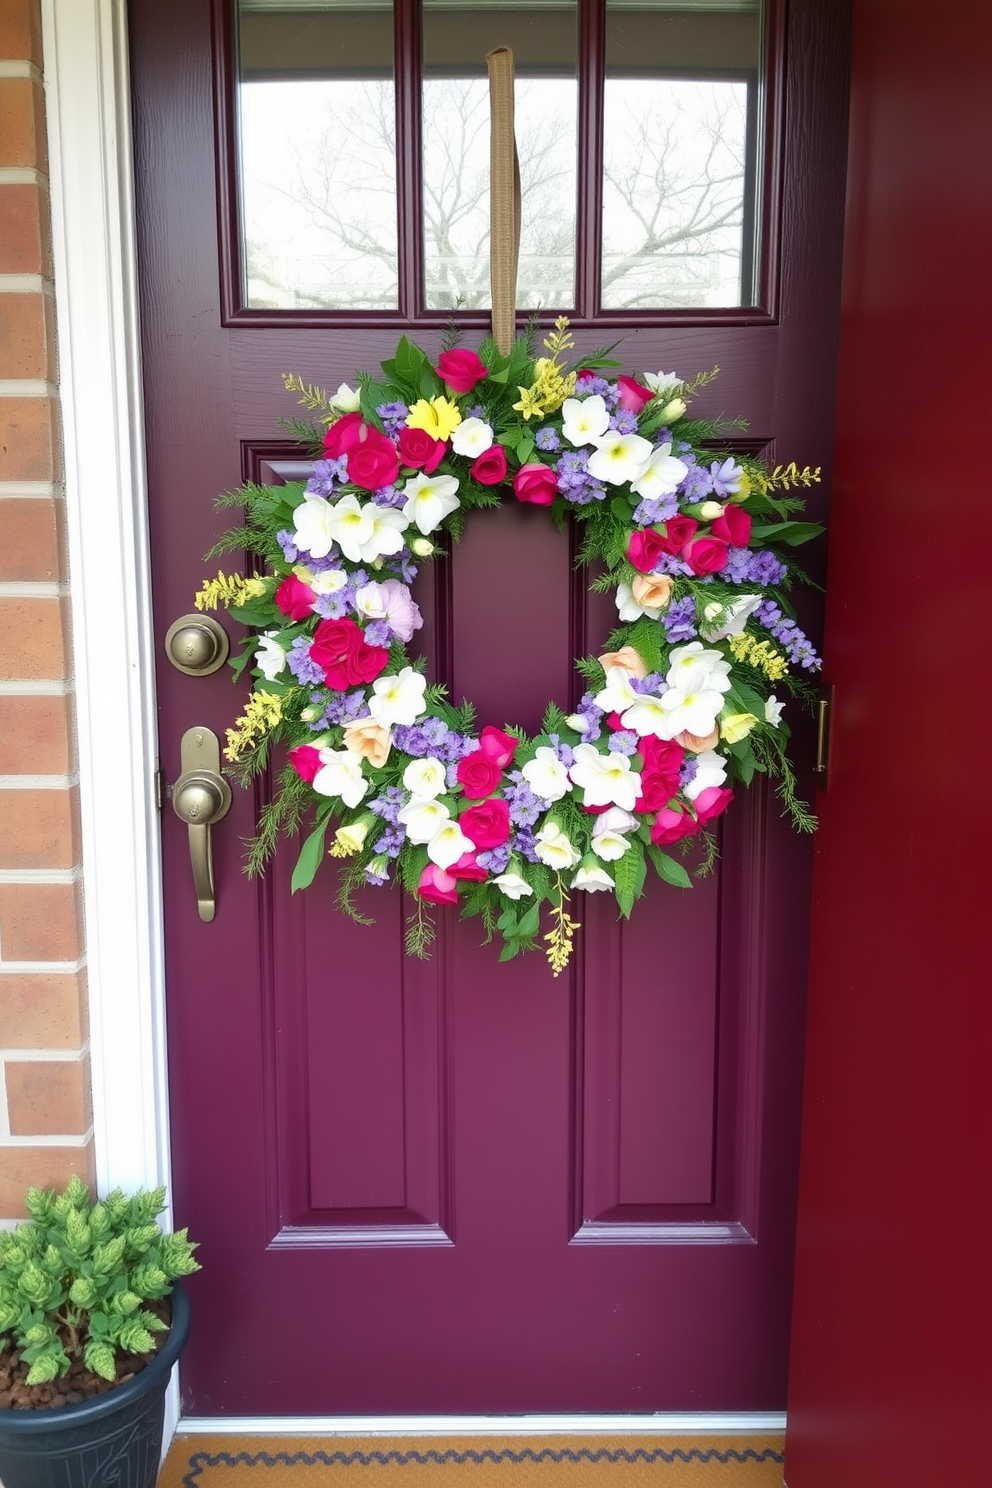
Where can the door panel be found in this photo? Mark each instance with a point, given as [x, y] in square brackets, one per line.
[461, 1186]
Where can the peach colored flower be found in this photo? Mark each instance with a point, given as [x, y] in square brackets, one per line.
[697, 743]
[652, 591]
[627, 658]
[369, 739]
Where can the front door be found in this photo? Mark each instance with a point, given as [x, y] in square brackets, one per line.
[460, 1186]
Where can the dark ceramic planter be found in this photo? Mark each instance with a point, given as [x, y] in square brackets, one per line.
[114, 1441]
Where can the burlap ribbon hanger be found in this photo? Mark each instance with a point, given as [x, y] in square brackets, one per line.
[504, 197]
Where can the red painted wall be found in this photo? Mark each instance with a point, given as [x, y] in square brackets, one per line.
[892, 1364]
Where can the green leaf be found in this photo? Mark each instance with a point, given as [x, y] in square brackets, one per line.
[509, 950]
[790, 533]
[668, 869]
[101, 1358]
[628, 875]
[530, 924]
[311, 855]
[48, 1366]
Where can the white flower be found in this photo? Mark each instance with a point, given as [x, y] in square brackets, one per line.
[553, 847]
[593, 880]
[618, 692]
[662, 382]
[710, 510]
[386, 535]
[425, 778]
[629, 609]
[346, 399]
[584, 420]
[422, 546]
[513, 886]
[270, 657]
[608, 834]
[423, 819]
[370, 601]
[661, 475]
[472, 437]
[429, 499]
[646, 715]
[398, 698]
[313, 525]
[328, 582]
[349, 524]
[692, 666]
[711, 769]
[773, 711]
[546, 775]
[619, 458]
[340, 774]
[692, 709]
[448, 845]
[673, 410]
[605, 779]
[730, 618]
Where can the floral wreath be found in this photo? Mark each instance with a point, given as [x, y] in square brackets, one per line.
[681, 703]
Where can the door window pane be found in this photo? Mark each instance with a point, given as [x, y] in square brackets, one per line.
[456, 39]
[679, 148]
[318, 156]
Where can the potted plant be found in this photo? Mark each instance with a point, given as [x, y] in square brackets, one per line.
[92, 1319]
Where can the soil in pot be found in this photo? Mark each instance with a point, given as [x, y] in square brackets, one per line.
[79, 1384]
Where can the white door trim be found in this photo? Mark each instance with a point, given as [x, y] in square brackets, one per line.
[88, 107]
[662, 1423]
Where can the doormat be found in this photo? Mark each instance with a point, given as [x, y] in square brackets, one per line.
[474, 1462]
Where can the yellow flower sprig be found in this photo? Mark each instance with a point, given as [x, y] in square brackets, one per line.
[229, 590]
[263, 711]
[785, 477]
[561, 936]
[313, 398]
[759, 654]
[552, 385]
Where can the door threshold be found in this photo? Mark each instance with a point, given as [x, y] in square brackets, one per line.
[661, 1423]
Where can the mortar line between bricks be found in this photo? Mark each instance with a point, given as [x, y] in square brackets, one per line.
[38, 782]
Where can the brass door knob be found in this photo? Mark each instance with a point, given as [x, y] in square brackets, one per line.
[200, 797]
[197, 645]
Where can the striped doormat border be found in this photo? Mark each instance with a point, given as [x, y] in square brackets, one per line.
[484, 1462]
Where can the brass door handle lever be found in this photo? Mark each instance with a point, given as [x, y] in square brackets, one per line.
[200, 797]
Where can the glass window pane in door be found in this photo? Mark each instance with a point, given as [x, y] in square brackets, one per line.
[543, 38]
[317, 109]
[680, 148]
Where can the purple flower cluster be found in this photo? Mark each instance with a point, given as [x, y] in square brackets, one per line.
[298, 660]
[393, 416]
[345, 706]
[525, 808]
[494, 859]
[432, 736]
[591, 717]
[794, 642]
[389, 496]
[574, 481]
[688, 771]
[655, 509]
[391, 842]
[287, 541]
[623, 742]
[326, 475]
[547, 439]
[679, 621]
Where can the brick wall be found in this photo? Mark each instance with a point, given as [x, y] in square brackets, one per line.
[45, 1121]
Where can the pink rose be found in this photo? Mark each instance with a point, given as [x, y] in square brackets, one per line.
[705, 555]
[660, 773]
[645, 548]
[305, 760]
[340, 648]
[487, 825]
[535, 483]
[678, 531]
[461, 370]
[436, 886]
[420, 450]
[711, 802]
[497, 746]
[295, 598]
[671, 825]
[478, 775]
[343, 436]
[633, 395]
[734, 526]
[373, 463]
[469, 868]
[489, 468]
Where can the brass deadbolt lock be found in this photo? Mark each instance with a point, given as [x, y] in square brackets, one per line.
[197, 645]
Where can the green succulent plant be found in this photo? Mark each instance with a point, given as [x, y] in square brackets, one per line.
[74, 1278]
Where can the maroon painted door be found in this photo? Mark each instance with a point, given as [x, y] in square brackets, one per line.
[891, 1372]
[462, 1186]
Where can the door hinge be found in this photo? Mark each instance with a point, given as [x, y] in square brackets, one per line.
[159, 779]
[824, 715]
